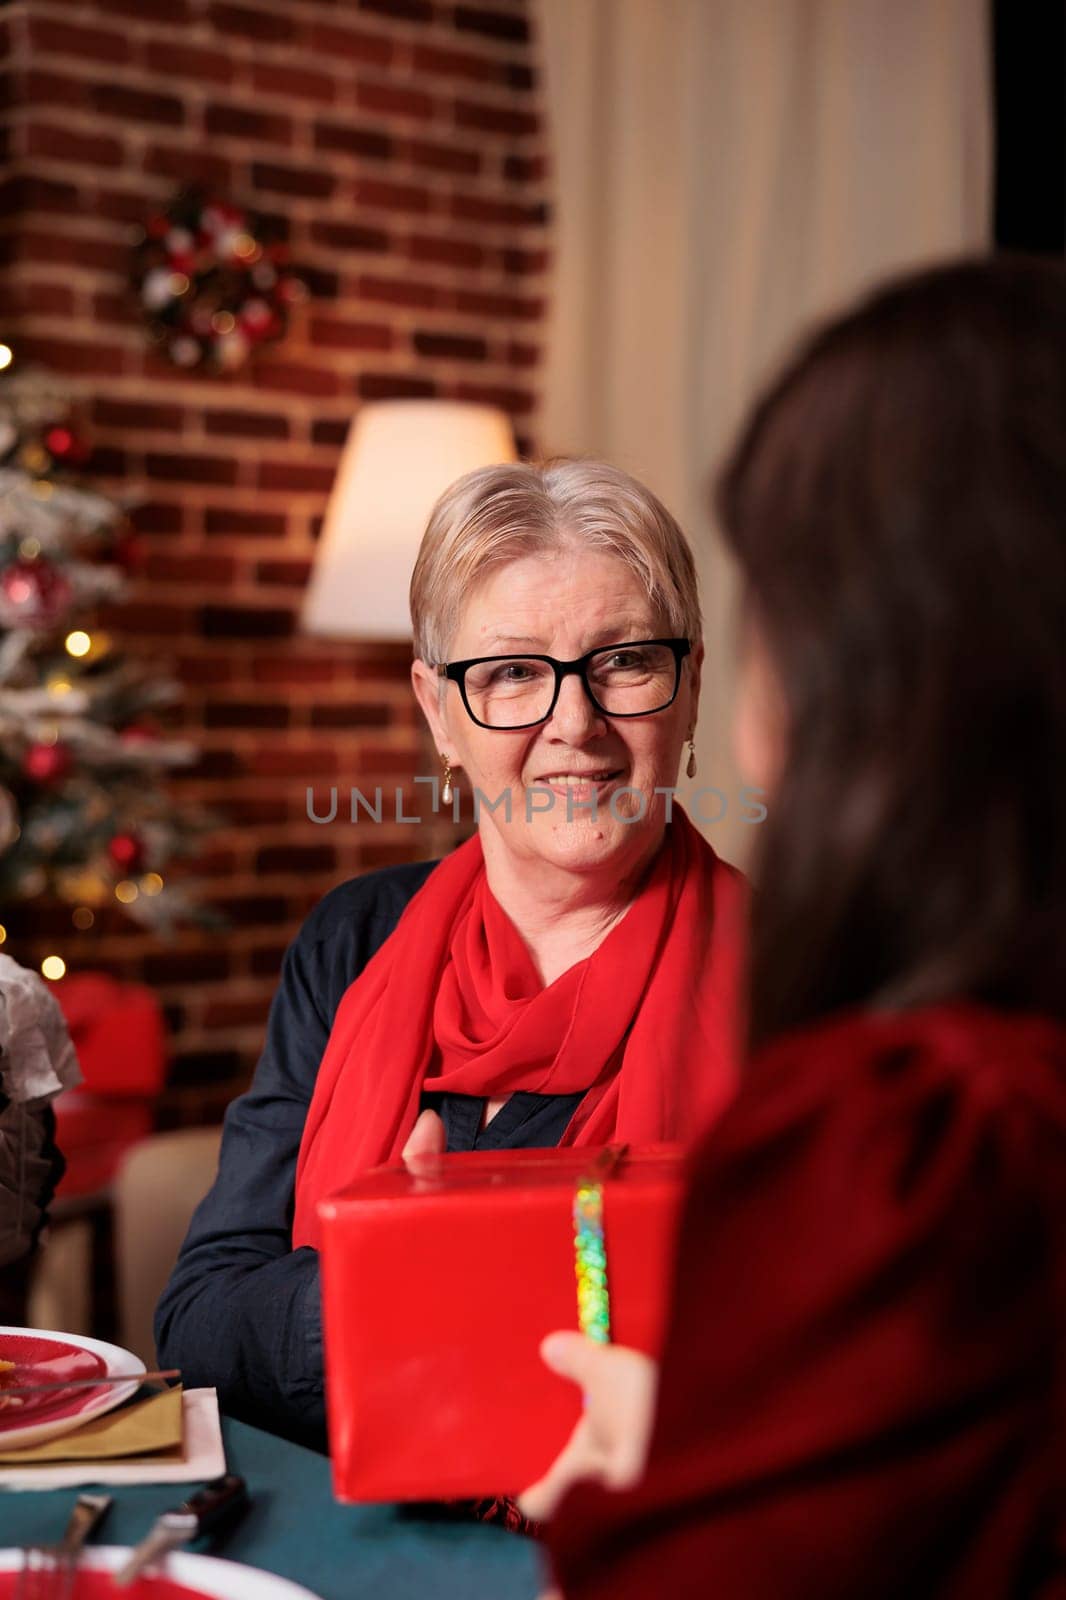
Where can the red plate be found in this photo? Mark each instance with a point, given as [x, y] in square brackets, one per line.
[102, 1586]
[45, 1360]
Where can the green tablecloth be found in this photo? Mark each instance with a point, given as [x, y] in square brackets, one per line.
[296, 1528]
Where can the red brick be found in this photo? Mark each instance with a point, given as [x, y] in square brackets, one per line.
[479, 302]
[505, 213]
[293, 378]
[341, 335]
[24, 193]
[297, 82]
[121, 205]
[39, 298]
[449, 252]
[244, 524]
[394, 386]
[188, 966]
[290, 574]
[137, 414]
[409, 10]
[392, 196]
[520, 262]
[41, 88]
[440, 157]
[303, 182]
[525, 169]
[258, 808]
[235, 622]
[190, 468]
[118, 308]
[68, 38]
[330, 430]
[341, 136]
[136, 105]
[72, 250]
[246, 424]
[176, 60]
[191, 568]
[296, 858]
[451, 346]
[83, 356]
[523, 355]
[326, 40]
[176, 13]
[143, 617]
[238, 122]
[212, 669]
[232, 1013]
[393, 101]
[400, 292]
[244, 22]
[245, 714]
[297, 766]
[188, 165]
[358, 715]
[456, 64]
[154, 516]
[292, 670]
[66, 144]
[518, 402]
[299, 477]
[496, 119]
[349, 236]
[494, 24]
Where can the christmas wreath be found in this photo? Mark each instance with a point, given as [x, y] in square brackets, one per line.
[214, 282]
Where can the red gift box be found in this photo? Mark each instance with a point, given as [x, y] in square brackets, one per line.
[437, 1291]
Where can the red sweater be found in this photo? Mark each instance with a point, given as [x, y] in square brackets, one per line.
[863, 1381]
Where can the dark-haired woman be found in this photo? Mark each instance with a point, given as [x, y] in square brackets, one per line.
[863, 1381]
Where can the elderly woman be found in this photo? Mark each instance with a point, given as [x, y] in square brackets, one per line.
[567, 976]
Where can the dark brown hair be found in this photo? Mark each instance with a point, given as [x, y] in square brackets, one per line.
[897, 504]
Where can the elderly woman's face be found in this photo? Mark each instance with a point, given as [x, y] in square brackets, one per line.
[564, 605]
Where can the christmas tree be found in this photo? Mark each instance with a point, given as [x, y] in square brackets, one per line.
[85, 815]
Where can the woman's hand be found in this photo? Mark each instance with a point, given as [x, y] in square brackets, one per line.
[426, 1141]
[610, 1442]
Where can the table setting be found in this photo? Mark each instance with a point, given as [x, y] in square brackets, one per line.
[93, 1449]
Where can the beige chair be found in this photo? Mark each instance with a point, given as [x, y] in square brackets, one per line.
[158, 1187]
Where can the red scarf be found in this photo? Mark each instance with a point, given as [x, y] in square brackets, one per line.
[646, 1027]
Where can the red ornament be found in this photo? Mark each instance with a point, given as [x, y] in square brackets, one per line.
[126, 852]
[138, 733]
[46, 763]
[64, 445]
[33, 594]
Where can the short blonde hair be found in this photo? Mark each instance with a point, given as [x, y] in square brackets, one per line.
[498, 514]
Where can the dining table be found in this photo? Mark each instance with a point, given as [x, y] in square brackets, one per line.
[296, 1529]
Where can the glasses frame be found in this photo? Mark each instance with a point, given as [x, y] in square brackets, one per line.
[456, 672]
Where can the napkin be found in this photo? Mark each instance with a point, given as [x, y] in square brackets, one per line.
[37, 1061]
[175, 1437]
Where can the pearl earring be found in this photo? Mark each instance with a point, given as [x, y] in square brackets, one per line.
[690, 769]
[446, 789]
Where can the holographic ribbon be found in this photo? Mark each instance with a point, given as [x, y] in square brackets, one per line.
[590, 1251]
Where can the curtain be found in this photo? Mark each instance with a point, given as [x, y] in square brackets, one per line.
[725, 172]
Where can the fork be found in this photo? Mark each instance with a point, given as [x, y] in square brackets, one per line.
[48, 1570]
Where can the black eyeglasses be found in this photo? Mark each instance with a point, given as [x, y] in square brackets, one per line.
[634, 679]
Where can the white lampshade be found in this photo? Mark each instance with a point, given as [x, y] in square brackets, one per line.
[399, 458]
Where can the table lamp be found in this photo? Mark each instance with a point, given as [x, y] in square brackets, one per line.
[399, 457]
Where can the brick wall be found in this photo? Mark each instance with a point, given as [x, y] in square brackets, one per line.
[401, 141]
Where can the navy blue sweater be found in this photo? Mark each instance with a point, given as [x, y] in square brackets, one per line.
[241, 1311]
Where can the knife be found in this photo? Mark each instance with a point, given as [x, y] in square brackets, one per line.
[216, 1503]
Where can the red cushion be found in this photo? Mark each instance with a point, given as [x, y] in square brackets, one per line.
[117, 1029]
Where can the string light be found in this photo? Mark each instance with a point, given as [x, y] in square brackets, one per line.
[151, 883]
[82, 917]
[78, 643]
[126, 892]
[3, 934]
[29, 548]
[7, 355]
[53, 967]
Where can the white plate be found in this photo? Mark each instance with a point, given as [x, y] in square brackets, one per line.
[108, 1396]
[221, 1580]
